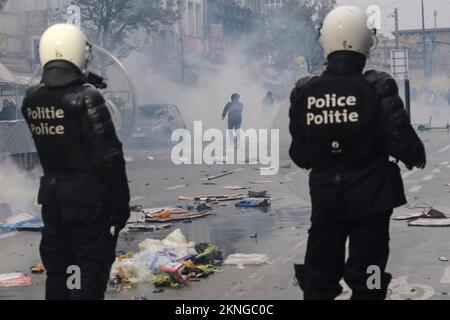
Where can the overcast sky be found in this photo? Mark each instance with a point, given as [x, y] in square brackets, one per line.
[410, 12]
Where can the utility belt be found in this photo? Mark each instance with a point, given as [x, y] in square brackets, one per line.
[342, 167]
[72, 190]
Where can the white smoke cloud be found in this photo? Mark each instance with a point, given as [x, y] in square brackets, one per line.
[18, 188]
[205, 99]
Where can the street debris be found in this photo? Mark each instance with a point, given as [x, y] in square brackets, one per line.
[233, 187]
[16, 279]
[18, 220]
[426, 222]
[213, 198]
[257, 194]
[36, 225]
[223, 174]
[429, 217]
[261, 181]
[38, 268]
[129, 159]
[139, 227]
[253, 203]
[136, 208]
[179, 186]
[240, 259]
[203, 207]
[168, 262]
[166, 216]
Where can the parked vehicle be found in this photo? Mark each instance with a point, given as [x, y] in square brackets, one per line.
[154, 125]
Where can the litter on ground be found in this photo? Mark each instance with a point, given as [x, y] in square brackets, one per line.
[179, 186]
[261, 181]
[38, 268]
[16, 279]
[426, 222]
[139, 227]
[168, 262]
[429, 217]
[212, 198]
[17, 220]
[257, 194]
[240, 259]
[253, 203]
[233, 187]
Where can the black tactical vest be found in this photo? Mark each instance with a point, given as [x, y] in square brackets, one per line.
[57, 129]
[339, 118]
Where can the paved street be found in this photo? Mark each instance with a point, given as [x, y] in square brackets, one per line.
[281, 231]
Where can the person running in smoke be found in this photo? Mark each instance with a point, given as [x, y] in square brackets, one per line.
[234, 110]
[268, 102]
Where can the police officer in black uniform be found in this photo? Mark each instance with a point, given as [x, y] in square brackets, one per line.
[345, 125]
[84, 190]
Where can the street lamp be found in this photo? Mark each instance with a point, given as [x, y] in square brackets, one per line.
[424, 45]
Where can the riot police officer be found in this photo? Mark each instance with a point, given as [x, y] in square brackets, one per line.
[345, 125]
[84, 190]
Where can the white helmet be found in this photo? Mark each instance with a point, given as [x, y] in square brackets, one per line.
[345, 28]
[65, 42]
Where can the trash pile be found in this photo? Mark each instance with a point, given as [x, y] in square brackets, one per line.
[172, 261]
[428, 217]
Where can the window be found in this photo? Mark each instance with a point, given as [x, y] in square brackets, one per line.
[273, 4]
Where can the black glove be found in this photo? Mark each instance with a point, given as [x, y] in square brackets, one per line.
[420, 165]
[120, 203]
[120, 216]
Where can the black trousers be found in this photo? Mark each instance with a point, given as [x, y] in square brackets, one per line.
[76, 239]
[234, 123]
[325, 263]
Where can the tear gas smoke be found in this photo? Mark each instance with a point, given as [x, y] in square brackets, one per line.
[18, 188]
[205, 98]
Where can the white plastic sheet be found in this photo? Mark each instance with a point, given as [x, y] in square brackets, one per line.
[240, 259]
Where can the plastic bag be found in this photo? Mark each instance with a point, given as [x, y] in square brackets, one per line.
[129, 271]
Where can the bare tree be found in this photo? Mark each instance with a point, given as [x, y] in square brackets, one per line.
[2, 3]
[112, 23]
[294, 29]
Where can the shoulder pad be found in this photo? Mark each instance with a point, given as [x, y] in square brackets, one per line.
[299, 86]
[304, 81]
[85, 97]
[92, 97]
[34, 89]
[383, 83]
